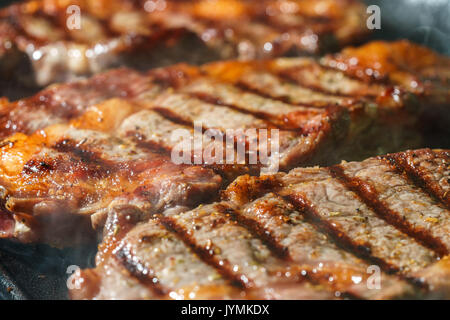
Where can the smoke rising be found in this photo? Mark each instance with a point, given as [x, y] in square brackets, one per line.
[426, 22]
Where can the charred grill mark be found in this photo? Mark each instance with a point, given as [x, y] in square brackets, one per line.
[227, 171]
[260, 115]
[223, 267]
[369, 196]
[144, 143]
[288, 75]
[247, 87]
[418, 178]
[71, 146]
[139, 271]
[154, 147]
[38, 166]
[291, 121]
[257, 230]
[342, 240]
[83, 160]
[73, 165]
[172, 116]
[45, 101]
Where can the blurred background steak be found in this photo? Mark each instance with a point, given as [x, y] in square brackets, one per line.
[38, 48]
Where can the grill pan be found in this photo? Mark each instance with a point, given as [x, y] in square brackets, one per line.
[40, 271]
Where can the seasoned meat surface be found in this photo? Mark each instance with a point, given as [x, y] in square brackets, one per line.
[172, 137]
[287, 235]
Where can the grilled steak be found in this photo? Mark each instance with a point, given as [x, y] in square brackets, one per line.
[42, 44]
[310, 233]
[73, 149]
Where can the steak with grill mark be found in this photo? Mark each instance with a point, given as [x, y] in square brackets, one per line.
[123, 32]
[429, 169]
[309, 226]
[70, 151]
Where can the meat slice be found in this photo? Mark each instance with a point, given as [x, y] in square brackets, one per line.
[52, 41]
[311, 226]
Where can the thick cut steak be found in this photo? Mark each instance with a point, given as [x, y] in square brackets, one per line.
[375, 229]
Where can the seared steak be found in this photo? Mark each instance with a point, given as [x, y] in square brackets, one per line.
[41, 38]
[73, 149]
[272, 235]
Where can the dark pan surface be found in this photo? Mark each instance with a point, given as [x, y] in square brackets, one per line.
[41, 272]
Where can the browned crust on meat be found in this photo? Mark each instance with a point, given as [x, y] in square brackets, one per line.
[137, 270]
[212, 231]
[138, 111]
[421, 176]
[370, 196]
[206, 254]
[303, 204]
